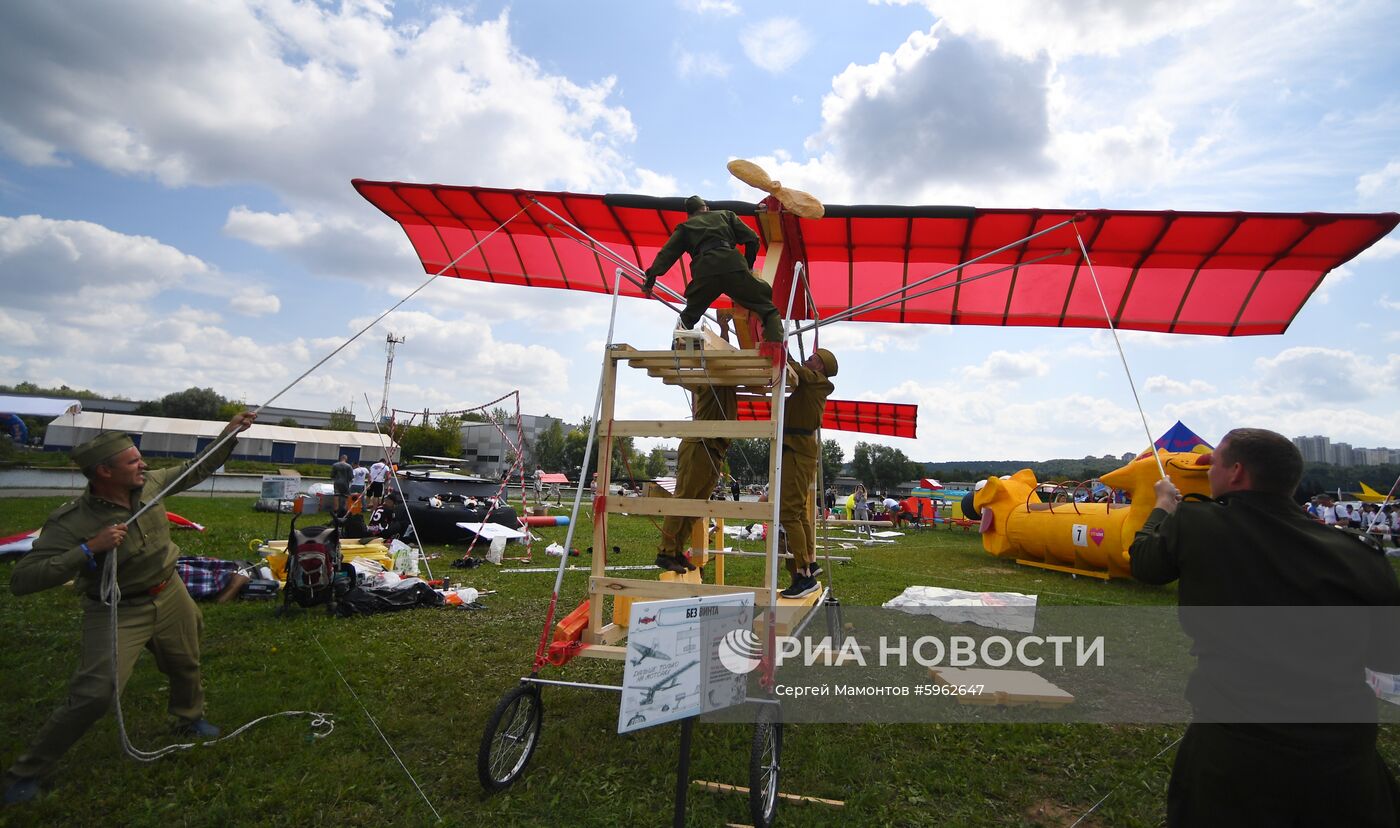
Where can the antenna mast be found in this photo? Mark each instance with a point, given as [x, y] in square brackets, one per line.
[389, 343]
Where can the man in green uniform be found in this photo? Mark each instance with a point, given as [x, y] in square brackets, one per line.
[155, 611]
[709, 236]
[1283, 727]
[698, 466]
[803, 414]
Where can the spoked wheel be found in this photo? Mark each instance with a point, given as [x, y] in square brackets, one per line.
[510, 738]
[764, 762]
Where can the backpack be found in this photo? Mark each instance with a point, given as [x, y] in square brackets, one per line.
[315, 572]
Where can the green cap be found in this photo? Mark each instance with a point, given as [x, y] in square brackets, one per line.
[100, 448]
[828, 361]
[694, 204]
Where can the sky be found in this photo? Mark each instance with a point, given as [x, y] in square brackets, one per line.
[176, 208]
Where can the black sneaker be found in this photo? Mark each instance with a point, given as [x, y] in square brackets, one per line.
[21, 790]
[199, 729]
[802, 586]
[672, 564]
[817, 570]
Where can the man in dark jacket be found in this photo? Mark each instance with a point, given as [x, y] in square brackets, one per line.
[709, 236]
[1284, 614]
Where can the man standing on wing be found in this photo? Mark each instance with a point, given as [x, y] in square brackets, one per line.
[716, 267]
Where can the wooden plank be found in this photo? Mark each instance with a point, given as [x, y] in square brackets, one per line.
[1091, 573]
[1005, 688]
[720, 787]
[748, 429]
[694, 358]
[610, 634]
[742, 510]
[604, 463]
[607, 651]
[644, 589]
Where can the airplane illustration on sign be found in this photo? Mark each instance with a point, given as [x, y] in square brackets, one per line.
[644, 652]
[668, 683]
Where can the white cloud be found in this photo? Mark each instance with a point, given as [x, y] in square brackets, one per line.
[1381, 186]
[271, 230]
[700, 64]
[46, 263]
[1316, 373]
[721, 8]
[775, 44]
[255, 302]
[1005, 366]
[1160, 384]
[301, 98]
[1063, 28]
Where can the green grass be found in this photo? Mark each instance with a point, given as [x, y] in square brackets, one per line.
[431, 678]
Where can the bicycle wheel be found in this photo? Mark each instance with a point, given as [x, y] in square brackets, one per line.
[764, 767]
[510, 738]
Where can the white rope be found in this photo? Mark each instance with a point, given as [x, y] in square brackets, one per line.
[1125, 781]
[377, 729]
[1108, 318]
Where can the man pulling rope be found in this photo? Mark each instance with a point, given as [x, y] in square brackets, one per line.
[155, 612]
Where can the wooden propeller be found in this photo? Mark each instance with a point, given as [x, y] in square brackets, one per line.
[797, 202]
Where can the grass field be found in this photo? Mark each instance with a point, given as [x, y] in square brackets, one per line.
[431, 677]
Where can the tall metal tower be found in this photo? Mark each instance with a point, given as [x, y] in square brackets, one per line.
[389, 344]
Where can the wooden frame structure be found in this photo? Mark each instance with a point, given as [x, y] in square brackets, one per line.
[754, 376]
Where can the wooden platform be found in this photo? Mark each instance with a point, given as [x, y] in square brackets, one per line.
[1006, 688]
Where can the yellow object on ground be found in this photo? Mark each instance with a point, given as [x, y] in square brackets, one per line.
[1085, 538]
[276, 554]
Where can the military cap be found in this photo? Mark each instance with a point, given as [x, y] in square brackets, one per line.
[100, 448]
[828, 361]
[694, 204]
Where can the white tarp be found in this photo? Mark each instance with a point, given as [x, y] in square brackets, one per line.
[1013, 611]
[491, 531]
[38, 406]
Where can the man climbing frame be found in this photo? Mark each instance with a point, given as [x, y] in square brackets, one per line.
[805, 408]
[716, 267]
[698, 467]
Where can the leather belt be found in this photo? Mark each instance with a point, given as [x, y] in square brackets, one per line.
[800, 432]
[142, 597]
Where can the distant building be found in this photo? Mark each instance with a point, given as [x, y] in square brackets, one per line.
[485, 451]
[170, 437]
[1314, 449]
[271, 414]
[1319, 449]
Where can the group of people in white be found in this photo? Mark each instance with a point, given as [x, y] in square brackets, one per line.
[1371, 518]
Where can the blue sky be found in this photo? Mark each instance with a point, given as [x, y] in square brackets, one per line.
[175, 206]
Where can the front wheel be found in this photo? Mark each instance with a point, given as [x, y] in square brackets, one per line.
[765, 760]
[510, 738]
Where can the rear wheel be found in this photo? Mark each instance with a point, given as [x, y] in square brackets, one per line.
[510, 738]
[765, 760]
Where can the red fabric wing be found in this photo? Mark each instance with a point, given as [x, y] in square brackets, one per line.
[889, 419]
[1227, 274]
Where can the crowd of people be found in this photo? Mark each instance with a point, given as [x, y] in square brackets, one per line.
[1381, 522]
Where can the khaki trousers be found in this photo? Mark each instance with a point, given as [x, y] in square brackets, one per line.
[169, 626]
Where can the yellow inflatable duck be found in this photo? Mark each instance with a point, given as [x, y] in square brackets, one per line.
[1083, 538]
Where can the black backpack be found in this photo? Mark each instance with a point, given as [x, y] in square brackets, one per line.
[315, 572]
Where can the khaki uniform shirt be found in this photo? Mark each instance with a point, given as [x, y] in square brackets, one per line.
[716, 233]
[806, 405]
[147, 555]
